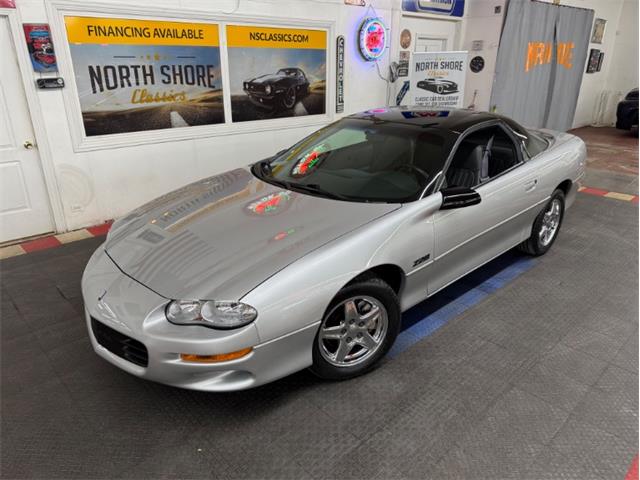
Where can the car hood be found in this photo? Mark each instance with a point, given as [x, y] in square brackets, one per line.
[218, 238]
[271, 77]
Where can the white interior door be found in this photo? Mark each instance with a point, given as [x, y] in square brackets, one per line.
[24, 203]
[425, 43]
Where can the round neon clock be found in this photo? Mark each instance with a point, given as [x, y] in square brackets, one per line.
[373, 38]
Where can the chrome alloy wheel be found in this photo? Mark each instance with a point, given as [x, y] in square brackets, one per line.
[353, 331]
[550, 222]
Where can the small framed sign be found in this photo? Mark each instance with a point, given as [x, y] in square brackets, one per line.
[40, 46]
[599, 25]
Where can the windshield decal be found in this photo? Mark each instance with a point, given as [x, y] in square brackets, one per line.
[309, 162]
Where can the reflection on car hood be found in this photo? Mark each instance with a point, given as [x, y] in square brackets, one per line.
[220, 237]
[272, 77]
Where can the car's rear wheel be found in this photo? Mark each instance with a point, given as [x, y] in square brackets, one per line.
[288, 99]
[359, 327]
[440, 89]
[545, 227]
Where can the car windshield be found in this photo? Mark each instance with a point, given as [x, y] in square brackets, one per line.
[362, 160]
[289, 73]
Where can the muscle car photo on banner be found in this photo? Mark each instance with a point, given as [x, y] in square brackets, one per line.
[135, 75]
[437, 79]
[276, 72]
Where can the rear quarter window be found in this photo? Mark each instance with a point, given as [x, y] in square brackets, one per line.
[535, 144]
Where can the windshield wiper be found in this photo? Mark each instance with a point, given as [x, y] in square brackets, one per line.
[314, 188]
[263, 171]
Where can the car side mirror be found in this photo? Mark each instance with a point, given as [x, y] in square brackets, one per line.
[458, 197]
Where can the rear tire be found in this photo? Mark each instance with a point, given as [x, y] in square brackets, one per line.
[358, 329]
[545, 227]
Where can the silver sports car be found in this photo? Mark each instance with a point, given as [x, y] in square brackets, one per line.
[308, 258]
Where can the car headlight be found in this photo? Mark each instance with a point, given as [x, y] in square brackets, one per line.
[267, 89]
[246, 86]
[209, 313]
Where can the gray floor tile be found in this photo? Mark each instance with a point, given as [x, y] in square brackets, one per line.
[551, 386]
[601, 452]
[574, 364]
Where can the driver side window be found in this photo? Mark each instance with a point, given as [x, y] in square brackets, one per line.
[481, 156]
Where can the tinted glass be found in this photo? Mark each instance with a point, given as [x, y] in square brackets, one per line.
[533, 142]
[362, 160]
[481, 156]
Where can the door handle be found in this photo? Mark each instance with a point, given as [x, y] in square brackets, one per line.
[28, 144]
[530, 185]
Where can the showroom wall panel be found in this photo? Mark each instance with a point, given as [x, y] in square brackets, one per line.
[99, 181]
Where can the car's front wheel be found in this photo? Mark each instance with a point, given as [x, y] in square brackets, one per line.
[358, 329]
[546, 226]
[288, 98]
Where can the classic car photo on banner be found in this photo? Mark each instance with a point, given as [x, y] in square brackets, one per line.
[135, 75]
[276, 72]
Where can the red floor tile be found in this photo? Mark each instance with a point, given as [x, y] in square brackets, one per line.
[40, 244]
[99, 230]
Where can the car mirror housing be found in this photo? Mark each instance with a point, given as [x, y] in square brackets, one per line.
[458, 197]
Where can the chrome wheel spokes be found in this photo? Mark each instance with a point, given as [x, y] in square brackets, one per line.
[550, 222]
[353, 331]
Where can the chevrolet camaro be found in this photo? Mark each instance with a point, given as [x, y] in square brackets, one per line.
[308, 258]
[278, 91]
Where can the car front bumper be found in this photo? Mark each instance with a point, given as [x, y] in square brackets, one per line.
[126, 306]
[262, 99]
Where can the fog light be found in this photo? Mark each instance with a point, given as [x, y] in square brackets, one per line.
[222, 357]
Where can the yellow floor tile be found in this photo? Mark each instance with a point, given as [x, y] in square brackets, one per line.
[11, 251]
[73, 236]
[619, 196]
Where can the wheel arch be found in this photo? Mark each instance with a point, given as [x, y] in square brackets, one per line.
[565, 186]
[390, 273]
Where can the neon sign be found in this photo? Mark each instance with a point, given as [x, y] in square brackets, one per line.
[372, 39]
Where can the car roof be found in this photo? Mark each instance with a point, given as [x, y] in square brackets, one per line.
[455, 120]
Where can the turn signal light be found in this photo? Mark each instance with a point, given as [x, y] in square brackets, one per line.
[222, 357]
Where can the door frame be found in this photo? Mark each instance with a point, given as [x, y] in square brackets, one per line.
[45, 153]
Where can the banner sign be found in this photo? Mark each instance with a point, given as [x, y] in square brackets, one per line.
[40, 46]
[437, 79]
[276, 72]
[452, 8]
[340, 74]
[134, 75]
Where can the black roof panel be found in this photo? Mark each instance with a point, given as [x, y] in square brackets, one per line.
[455, 120]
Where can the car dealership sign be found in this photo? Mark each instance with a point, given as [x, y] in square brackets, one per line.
[134, 75]
[437, 79]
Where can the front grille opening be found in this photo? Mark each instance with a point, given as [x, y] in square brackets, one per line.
[120, 344]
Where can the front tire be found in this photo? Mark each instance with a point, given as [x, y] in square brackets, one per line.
[288, 99]
[358, 329]
[545, 227]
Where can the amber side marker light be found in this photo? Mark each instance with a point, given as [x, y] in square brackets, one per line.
[222, 357]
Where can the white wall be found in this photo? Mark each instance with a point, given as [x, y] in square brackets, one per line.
[623, 73]
[482, 23]
[106, 183]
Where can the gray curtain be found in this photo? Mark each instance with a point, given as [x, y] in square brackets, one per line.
[541, 93]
